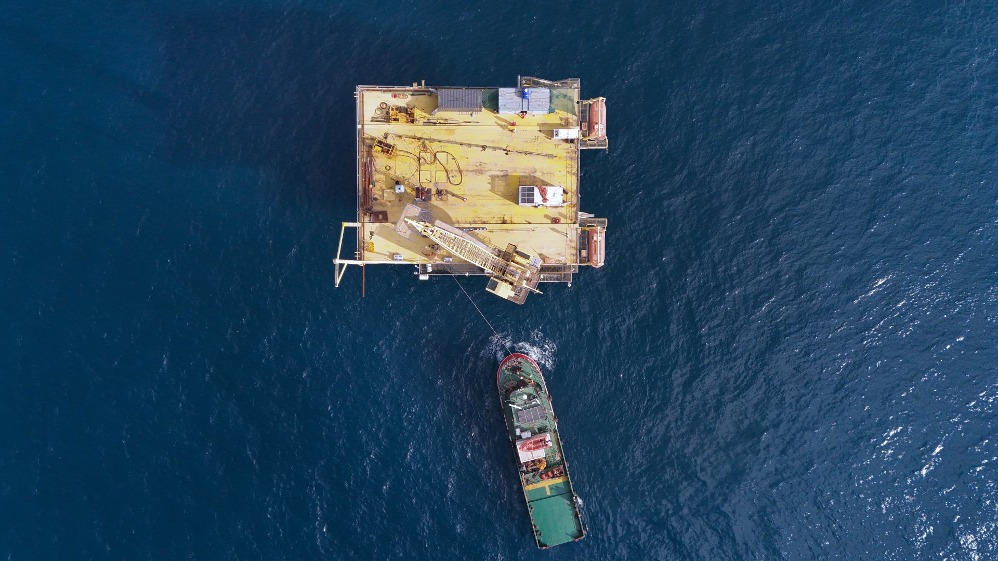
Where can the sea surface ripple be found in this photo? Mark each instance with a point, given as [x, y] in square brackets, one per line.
[790, 354]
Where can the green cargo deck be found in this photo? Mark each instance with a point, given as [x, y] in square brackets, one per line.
[554, 519]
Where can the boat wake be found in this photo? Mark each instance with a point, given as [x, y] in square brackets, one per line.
[537, 347]
[498, 344]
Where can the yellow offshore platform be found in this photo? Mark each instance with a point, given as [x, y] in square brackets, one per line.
[458, 180]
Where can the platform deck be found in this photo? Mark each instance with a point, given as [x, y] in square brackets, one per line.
[472, 164]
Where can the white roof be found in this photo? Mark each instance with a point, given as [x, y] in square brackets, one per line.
[541, 195]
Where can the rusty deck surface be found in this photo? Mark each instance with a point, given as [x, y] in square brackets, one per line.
[468, 167]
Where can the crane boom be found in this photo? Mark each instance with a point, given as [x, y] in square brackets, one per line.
[514, 274]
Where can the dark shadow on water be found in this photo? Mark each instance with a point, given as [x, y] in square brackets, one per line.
[274, 91]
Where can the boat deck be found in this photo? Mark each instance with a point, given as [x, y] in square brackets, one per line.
[547, 486]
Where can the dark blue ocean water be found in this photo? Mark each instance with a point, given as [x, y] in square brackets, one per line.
[790, 354]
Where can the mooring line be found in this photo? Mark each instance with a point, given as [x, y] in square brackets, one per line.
[498, 337]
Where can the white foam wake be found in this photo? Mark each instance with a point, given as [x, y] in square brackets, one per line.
[537, 347]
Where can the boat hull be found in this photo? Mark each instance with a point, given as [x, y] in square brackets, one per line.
[532, 427]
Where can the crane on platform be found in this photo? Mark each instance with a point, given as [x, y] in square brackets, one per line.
[513, 273]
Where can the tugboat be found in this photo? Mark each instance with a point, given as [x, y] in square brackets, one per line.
[533, 431]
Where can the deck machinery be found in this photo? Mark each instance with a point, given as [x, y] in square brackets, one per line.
[476, 181]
